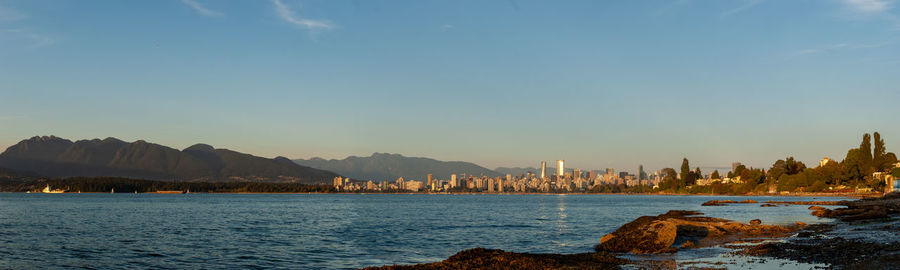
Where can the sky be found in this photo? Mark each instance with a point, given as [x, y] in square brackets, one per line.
[495, 82]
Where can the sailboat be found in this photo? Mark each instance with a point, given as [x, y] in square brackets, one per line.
[113, 190]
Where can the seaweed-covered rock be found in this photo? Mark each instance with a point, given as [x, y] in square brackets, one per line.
[481, 258]
[660, 234]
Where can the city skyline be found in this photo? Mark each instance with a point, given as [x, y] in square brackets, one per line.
[499, 84]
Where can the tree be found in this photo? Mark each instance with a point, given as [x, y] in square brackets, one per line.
[669, 178]
[866, 147]
[739, 170]
[879, 151]
[695, 174]
[794, 167]
[853, 165]
[685, 173]
[882, 160]
[830, 173]
[778, 168]
[715, 175]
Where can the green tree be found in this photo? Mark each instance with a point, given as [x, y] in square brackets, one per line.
[739, 170]
[715, 175]
[830, 173]
[685, 173]
[866, 147]
[778, 169]
[670, 177]
[883, 160]
[793, 166]
[853, 167]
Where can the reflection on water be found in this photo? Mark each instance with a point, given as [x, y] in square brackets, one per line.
[561, 220]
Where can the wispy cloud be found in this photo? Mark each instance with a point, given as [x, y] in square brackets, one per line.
[33, 40]
[202, 10]
[21, 36]
[867, 6]
[287, 14]
[8, 14]
[446, 27]
[745, 6]
[841, 47]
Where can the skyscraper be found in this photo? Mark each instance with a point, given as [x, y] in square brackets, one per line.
[640, 175]
[543, 169]
[560, 167]
[453, 182]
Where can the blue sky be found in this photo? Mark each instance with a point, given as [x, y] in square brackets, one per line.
[500, 83]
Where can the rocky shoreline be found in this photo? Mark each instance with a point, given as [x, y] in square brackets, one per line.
[863, 235]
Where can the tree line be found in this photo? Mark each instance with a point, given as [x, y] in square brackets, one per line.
[856, 170]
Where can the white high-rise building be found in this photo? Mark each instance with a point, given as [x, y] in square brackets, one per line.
[453, 182]
[543, 169]
[560, 167]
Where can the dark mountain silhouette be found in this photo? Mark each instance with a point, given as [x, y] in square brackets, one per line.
[389, 167]
[57, 157]
[7, 174]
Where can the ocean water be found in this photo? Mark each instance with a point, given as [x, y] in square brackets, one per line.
[321, 231]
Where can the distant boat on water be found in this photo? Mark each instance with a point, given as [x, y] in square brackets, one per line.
[113, 190]
[49, 190]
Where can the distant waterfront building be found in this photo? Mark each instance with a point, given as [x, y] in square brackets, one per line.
[453, 182]
[824, 161]
[560, 167]
[430, 180]
[338, 182]
[413, 185]
[543, 169]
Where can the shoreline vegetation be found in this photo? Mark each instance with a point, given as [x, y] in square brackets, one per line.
[855, 238]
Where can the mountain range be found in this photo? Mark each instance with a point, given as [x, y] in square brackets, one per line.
[57, 157]
[389, 167]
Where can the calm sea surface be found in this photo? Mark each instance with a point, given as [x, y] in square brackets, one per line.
[319, 231]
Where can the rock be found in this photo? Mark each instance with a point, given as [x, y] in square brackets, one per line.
[800, 224]
[821, 213]
[481, 258]
[651, 235]
[724, 202]
[688, 244]
[837, 253]
[876, 213]
[716, 203]
[816, 207]
[810, 202]
[654, 236]
[755, 222]
[768, 205]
